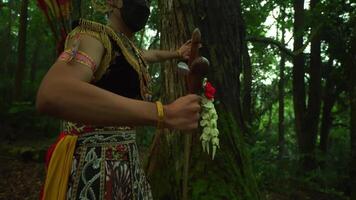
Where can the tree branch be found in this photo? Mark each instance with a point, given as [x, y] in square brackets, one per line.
[282, 47]
[271, 41]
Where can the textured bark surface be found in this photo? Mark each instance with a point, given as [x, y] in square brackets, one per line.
[298, 73]
[34, 62]
[20, 70]
[281, 94]
[353, 141]
[247, 83]
[315, 88]
[306, 113]
[352, 81]
[330, 95]
[222, 36]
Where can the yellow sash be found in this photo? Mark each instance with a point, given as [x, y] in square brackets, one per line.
[59, 169]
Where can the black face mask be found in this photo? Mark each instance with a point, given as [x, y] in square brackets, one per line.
[135, 14]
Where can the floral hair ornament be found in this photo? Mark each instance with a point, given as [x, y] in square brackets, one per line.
[209, 118]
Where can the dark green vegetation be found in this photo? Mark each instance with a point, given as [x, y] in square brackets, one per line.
[285, 72]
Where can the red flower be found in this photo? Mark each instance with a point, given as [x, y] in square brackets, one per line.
[209, 91]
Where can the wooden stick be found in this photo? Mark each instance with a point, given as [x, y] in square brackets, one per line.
[198, 69]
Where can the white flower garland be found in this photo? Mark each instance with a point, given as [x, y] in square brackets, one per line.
[208, 122]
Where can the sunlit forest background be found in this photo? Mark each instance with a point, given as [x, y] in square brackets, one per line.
[285, 72]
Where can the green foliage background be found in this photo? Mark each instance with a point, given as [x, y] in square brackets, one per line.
[22, 129]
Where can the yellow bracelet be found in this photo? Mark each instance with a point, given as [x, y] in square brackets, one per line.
[160, 113]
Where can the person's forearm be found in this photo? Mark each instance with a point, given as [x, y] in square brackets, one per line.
[153, 56]
[79, 101]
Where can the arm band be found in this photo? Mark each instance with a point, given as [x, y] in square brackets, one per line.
[78, 56]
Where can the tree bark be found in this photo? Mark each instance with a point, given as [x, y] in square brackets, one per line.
[298, 75]
[281, 92]
[306, 115]
[20, 70]
[271, 41]
[351, 61]
[34, 63]
[353, 140]
[247, 85]
[6, 43]
[311, 123]
[224, 50]
[331, 93]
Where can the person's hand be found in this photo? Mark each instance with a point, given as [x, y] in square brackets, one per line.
[184, 50]
[183, 113]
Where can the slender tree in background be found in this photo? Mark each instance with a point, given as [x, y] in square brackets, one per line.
[306, 113]
[224, 49]
[336, 33]
[21, 64]
[247, 85]
[7, 42]
[330, 95]
[351, 65]
[34, 62]
[298, 74]
[281, 89]
[314, 92]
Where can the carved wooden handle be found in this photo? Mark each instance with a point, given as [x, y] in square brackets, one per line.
[198, 65]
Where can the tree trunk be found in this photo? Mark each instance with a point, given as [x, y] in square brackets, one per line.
[352, 91]
[311, 123]
[298, 75]
[306, 116]
[247, 85]
[329, 98]
[281, 92]
[353, 139]
[7, 42]
[34, 63]
[20, 70]
[223, 49]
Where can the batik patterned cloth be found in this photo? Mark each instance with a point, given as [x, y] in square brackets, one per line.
[106, 166]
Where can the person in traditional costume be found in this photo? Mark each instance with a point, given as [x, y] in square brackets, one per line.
[99, 86]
